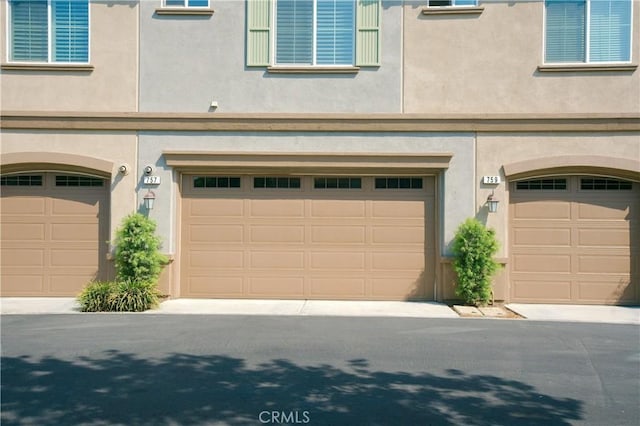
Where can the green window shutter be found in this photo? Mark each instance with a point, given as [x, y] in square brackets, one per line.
[258, 32]
[369, 13]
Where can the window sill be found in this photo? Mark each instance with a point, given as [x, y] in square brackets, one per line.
[313, 70]
[188, 11]
[452, 10]
[47, 67]
[586, 67]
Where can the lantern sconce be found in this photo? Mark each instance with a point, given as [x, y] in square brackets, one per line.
[149, 199]
[492, 203]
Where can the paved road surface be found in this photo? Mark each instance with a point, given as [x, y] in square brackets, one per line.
[238, 370]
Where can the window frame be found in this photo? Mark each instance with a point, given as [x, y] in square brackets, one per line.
[50, 41]
[314, 51]
[453, 4]
[587, 40]
[185, 5]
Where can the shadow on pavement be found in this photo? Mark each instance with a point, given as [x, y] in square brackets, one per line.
[119, 388]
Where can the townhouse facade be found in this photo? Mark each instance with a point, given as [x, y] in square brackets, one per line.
[324, 149]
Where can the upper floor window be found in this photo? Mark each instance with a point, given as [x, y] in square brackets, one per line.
[587, 31]
[313, 32]
[186, 3]
[452, 3]
[49, 31]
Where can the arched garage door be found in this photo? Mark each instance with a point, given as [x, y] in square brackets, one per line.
[307, 237]
[574, 239]
[54, 233]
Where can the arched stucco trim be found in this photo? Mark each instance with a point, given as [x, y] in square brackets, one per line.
[17, 162]
[574, 164]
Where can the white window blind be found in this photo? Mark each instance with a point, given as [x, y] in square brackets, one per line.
[587, 31]
[610, 30]
[70, 30]
[29, 30]
[49, 31]
[294, 32]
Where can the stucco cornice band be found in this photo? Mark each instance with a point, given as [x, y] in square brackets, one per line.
[339, 163]
[592, 164]
[318, 122]
[25, 161]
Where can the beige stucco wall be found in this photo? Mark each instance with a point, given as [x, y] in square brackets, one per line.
[111, 86]
[118, 149]
[487, 63]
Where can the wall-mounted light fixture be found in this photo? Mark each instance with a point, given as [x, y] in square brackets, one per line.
[492, 203]
[149, 199]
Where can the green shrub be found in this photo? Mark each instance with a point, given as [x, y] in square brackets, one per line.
[474, 246]
[98, 296]
[135, 296]
[138, 258]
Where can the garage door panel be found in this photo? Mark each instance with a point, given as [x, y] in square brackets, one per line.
[611, 291]
[332, 209]
[613, 210]
[398, 234]
[26, 283]
[387, 288]
[82, 232]
[86, 206]
[19, 232]
[275, 286]
[604, 237]
[277, 234]
[277, 208]
[74, 258]
[328, 234]
[536, 236]
[225, 286]
[22, 205]
[207, 207]
[539, 289]
[603, 264]
[275, 259]
[540, 263]
[334, 260]
[389, 209]
[216, 259]
[338, 287]
[22, 257]
[397, 260]
[68, 284]
[540, 210]
[230, 233]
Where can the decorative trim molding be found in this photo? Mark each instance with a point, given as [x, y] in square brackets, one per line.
[312, 70]
[16, 162]
[311, 163]
[184, 11]
[47, 67]
[587, 67]
[572, 164]
[203, 122]
[452, 10]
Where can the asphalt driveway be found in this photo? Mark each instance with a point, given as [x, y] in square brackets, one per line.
[126, 369]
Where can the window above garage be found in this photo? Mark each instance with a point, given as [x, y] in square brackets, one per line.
[21, 180]
[605, 184]
[558, 184]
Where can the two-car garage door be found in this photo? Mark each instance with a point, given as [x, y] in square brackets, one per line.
[307, 237]
[575, 239]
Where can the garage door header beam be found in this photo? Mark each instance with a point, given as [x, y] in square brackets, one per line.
[308, 163]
